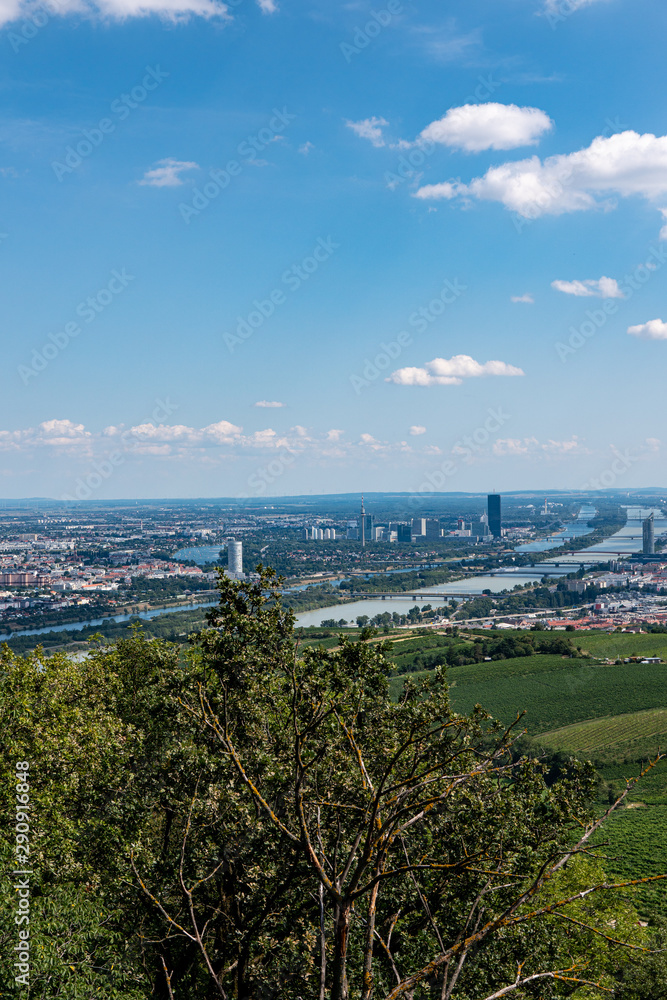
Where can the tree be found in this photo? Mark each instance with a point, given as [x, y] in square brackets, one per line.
[417, 852]
[245, 819]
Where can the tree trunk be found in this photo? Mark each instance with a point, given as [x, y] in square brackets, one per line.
[367, 981]
[323, 947]
[339, 990]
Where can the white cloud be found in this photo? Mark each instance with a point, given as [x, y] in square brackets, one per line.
[603, 288]
[267, 6]
[475, 127]
[267, 404]
[369, 128]
[623, 165]
[334, 434]
[55, 434]
[416, 430]
[306, 148]
[513, 446]
[655, 329]
[530, 446]
[452, 371]
[167, 173]
[523, 298]
[446, 189]
[171, 10]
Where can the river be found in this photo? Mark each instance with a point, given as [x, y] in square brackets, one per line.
[576, 530]
[624, 542]
[77, 626]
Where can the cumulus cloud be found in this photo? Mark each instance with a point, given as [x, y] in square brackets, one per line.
[523, 298]
[624, 165]
[167, 173]
[54, 434]
[603, 288]
[267, 6]
[655, 329]
[267, 404]
[171, 10]
[306, 148]
[530, 446]
[369, 128]
[416, 430]
[451, 371]
[475, 127]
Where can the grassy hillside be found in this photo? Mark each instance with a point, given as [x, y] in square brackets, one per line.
[555, 691]
[615, 644]
[630, 736]
[615, 715]
[636, 846]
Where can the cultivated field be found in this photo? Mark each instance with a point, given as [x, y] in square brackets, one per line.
[628, 736]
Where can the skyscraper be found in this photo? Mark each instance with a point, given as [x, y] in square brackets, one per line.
[432, 529]
[648, 536]
[493, 509]
[365, 526]
[235, 558]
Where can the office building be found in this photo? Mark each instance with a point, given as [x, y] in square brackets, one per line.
[493, 509]
[235, 558]
[404, 532]
[352, 530]
[432, 531]
[480, 529]
[648, 536]
[418, 525]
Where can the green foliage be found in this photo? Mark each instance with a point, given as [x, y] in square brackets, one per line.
[203, 815]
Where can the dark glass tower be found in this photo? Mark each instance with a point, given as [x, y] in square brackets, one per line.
[493, 511]
[365, 526]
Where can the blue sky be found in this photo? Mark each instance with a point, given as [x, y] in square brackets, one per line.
[207, 208]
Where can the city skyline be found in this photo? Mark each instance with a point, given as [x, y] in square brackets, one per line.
[276, 249]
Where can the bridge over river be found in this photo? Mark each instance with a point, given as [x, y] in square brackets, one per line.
[419, 595]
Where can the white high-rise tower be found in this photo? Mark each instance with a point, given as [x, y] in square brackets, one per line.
[235, 558]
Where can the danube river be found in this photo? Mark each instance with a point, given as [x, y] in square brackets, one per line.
[623, 543]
